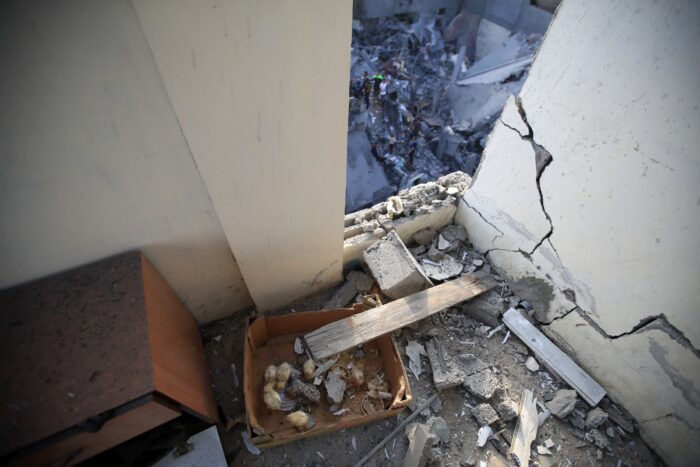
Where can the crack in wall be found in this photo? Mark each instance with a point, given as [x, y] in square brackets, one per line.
[670, 415]
[500, 232]
[659, 322]
[543, 158]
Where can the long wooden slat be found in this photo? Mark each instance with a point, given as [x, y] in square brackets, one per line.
[363, 327]
[525, 428]
[553, 357]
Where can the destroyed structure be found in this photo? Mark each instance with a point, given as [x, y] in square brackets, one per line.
[447, 78]
[538, 311]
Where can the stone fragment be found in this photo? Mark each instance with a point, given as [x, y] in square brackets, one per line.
[508, 410]
[483, 384]
[454, 232]
[439, 428]
[563, 403]
[355, 282]
[424, 236]
[595, 417]
[394, 268]
[435, 455]
[480, 308]
[309, 391]
[419, 447]
[446, 373]
[442, 244]
[532, 364]
[413, 351]
[442, 269]
[335, 387]
[597, 437]
[484, 414]
[483, 435]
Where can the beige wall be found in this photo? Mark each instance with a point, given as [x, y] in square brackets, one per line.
[92, 159]
[260, 89]
[612, 232]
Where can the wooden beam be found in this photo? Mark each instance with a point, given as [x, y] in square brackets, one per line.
[525, 429]
[553, 358]
[363, 327]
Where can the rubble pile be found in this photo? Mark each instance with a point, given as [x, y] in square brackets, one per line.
[418, 108]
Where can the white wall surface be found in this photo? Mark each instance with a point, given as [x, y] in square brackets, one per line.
[614, 97]
[92, 159]
[260, 89]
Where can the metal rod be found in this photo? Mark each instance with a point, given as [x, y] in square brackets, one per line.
[397, 430]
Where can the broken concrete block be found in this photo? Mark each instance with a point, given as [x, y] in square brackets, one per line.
[454, 232]
[484, 414]
[424, 236]
[480, 308]
[595, 417]
[445, 374]
[419, 447]
[598, 438]
[395, 270]
[442, 244]
[563, 403]
[439, 428]
[355, 282]
[508, 410]
[483, 384]
[443, 269]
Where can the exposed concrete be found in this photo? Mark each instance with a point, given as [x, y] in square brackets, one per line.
[655, 377]
[428, 205]
[616, 181]
[260, 90]
[394, 268]
[419, 447]
[94, 162]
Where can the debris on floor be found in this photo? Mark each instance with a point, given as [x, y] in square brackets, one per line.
[491, 401]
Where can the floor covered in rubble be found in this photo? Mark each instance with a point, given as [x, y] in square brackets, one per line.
[569, 434]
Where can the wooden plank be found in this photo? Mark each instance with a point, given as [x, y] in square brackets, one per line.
[553, 357]
[355, 330]
[525, 428]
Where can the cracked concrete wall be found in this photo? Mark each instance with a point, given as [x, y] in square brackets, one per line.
[588, 197]
[93, 161]
[260, 89]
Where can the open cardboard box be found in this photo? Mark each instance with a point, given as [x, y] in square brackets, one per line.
[270, 340]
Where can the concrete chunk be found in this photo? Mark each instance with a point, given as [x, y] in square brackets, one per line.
[484, 414]
[355, 282]
[563, 403]
[419, 447]
[394, 268]
[483, 384]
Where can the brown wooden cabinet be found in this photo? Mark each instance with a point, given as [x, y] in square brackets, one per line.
[92, 357]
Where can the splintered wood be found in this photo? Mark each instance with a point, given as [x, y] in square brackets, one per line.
[355, 330]
[525, 428]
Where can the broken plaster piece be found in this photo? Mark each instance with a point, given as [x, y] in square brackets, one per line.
[414, 350]
[483, 435]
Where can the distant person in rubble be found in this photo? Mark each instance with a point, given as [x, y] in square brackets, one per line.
[366, 87]
[376, 84]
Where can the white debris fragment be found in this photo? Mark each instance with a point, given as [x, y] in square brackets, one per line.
[506, 338]
[532, 364]
[324, 367]
[483, 435]
[394, 207]
[335, 387]
[493, 331]
[318, 380]
[442, 243]
[414, 350]
[298, 347]
[341, 412]
[386, 453]
[253, 449]
[548, 443]
[430, 262]
[218, 338]
[354, 443]
[235, 376]
[542, 417]
[543, 451]
[318, 453]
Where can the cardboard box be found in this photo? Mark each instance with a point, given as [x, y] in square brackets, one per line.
[270, 340]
